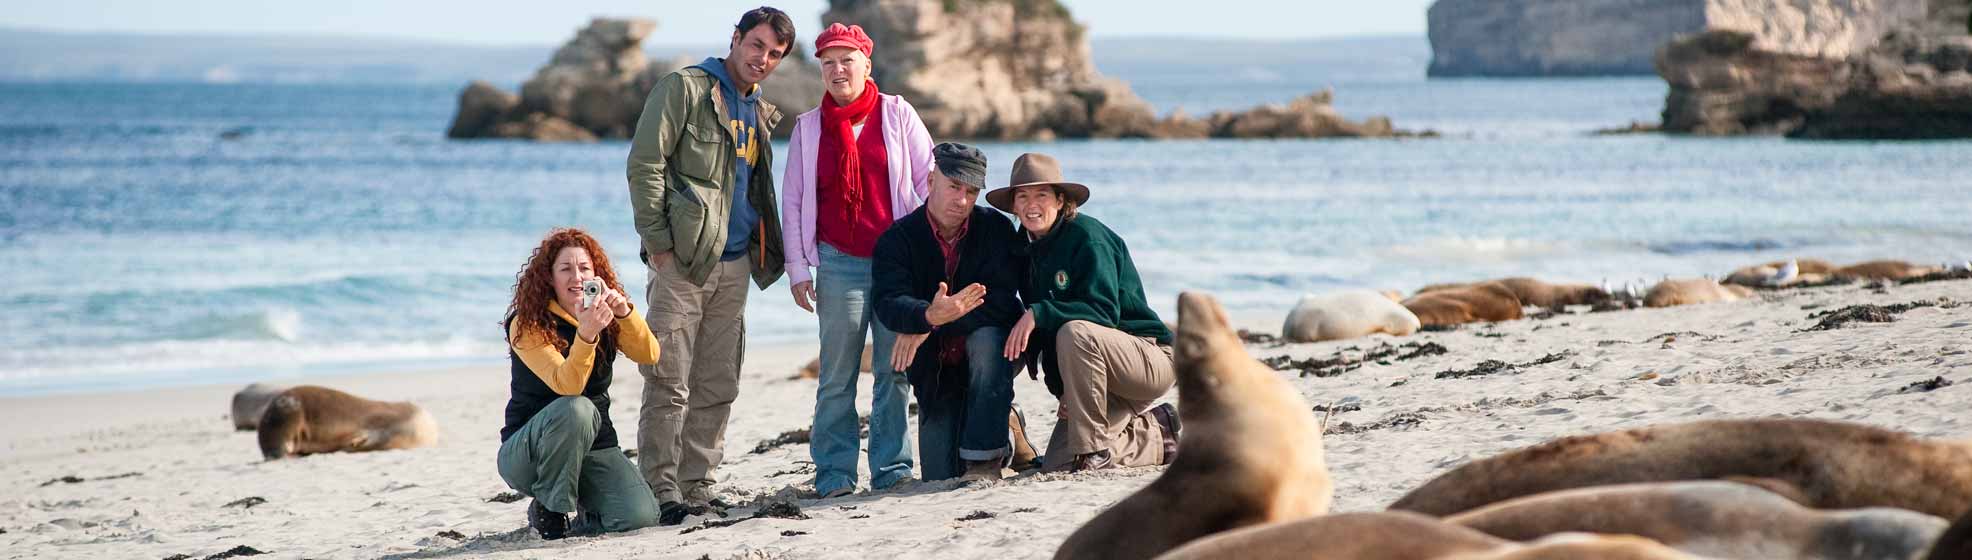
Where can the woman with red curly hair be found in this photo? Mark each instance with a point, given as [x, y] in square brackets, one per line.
[558, 445]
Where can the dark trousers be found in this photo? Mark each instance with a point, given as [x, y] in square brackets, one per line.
[968, 422]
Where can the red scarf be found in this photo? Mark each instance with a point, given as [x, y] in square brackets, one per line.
[839, 143]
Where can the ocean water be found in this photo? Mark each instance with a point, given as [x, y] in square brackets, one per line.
[167, 234]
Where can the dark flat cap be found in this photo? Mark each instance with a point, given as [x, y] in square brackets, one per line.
[961, 163]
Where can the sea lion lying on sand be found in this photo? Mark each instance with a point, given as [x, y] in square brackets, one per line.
[1712, 518]
[1826, 464]
[1763, 275]
[1404, 536]
[249, 403]
[1692, 291]
[1250, 453]
[813, 370]
[1486, 301]
[1885, 270]
[1538, 293]
[1346, 315]
[306, 420]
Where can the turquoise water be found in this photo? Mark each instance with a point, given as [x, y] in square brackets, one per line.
[337, 230]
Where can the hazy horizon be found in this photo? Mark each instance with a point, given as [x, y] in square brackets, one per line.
[512, 23]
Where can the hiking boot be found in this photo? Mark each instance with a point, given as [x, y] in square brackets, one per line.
[585, 524]
[700, 500]
[1024, 457]
[839, 492]
[982, 470]
[1091, 462]
[671, 514]
[551, 525]
[1168, 423]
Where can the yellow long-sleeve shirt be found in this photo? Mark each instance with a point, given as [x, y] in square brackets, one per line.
[567, 376]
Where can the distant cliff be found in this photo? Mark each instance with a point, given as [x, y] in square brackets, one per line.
[1620, 37]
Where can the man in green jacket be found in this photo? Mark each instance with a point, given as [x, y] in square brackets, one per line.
[702, 193]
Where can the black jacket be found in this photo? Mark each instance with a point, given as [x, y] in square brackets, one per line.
[907, 267]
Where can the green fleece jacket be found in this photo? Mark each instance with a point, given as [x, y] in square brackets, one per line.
[1081, 271]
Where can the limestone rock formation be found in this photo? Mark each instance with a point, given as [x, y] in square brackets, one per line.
[1021, 70]
[1620, 37]
[595, 87]
[1912, 85]
[974, 69]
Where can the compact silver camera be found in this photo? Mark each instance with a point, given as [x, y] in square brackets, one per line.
[591, 290]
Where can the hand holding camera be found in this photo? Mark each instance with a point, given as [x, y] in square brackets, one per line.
[601, 306]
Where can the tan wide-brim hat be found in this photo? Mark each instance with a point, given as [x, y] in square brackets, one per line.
[1036, 170]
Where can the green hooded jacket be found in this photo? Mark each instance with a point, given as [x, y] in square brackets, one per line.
[682, 161]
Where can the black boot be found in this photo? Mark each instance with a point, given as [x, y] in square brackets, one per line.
[551, 525]
[671, 513]
[1167, 422]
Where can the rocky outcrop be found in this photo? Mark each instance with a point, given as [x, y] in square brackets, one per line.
[1910, 86]
[974, 69]
[595, 87]
[1620, 37]
[1021, 70]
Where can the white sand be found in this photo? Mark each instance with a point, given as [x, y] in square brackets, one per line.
[1732, 360]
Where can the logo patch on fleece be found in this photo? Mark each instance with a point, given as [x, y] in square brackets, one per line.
[1061, 279]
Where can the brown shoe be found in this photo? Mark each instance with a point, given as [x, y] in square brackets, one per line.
[1166, 417]
[982, 470]
[1024, 456]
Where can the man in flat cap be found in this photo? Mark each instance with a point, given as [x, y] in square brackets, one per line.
[946, 280]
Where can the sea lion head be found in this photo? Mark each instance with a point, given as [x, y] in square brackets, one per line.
[1208, 358]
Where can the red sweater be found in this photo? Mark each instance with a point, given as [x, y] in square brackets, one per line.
[853, 227]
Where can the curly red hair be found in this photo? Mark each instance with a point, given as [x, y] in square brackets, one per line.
[534, 286]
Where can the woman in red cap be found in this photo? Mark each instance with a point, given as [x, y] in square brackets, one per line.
[859, 162]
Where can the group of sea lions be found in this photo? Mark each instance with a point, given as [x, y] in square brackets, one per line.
[306, 420]
[1250, 483]
[1358, 313]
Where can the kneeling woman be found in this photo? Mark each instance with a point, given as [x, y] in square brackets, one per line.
[1106, 354]
[558, 445]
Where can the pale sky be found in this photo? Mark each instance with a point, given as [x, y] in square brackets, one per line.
[689, 22]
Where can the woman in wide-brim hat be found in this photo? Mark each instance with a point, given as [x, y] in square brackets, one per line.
[1088, 327]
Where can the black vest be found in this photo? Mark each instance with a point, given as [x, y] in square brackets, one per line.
[529, 394]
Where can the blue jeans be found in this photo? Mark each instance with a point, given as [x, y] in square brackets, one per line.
[968, 423]
[847, 315]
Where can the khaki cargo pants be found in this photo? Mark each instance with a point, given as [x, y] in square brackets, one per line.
[1109, 381]
[688, 395]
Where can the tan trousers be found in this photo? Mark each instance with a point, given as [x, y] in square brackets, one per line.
[1109, 380]
[688, 395]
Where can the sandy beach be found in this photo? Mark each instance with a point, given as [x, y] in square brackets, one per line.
[161, 473]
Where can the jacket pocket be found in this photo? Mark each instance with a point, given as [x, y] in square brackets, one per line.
[699, 157]
[688, 217]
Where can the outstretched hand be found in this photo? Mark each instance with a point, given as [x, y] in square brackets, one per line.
[948, 307]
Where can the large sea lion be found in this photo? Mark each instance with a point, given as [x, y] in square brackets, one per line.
[1712, 518]
[1251, 451]
[1404, 536]
[1485, 301]
[1538, 293]
[306, 420]
[1826, 464]
[1693, 291]
[1346, 315]
[249, 403]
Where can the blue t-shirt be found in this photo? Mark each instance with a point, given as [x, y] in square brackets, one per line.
[743, 118]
